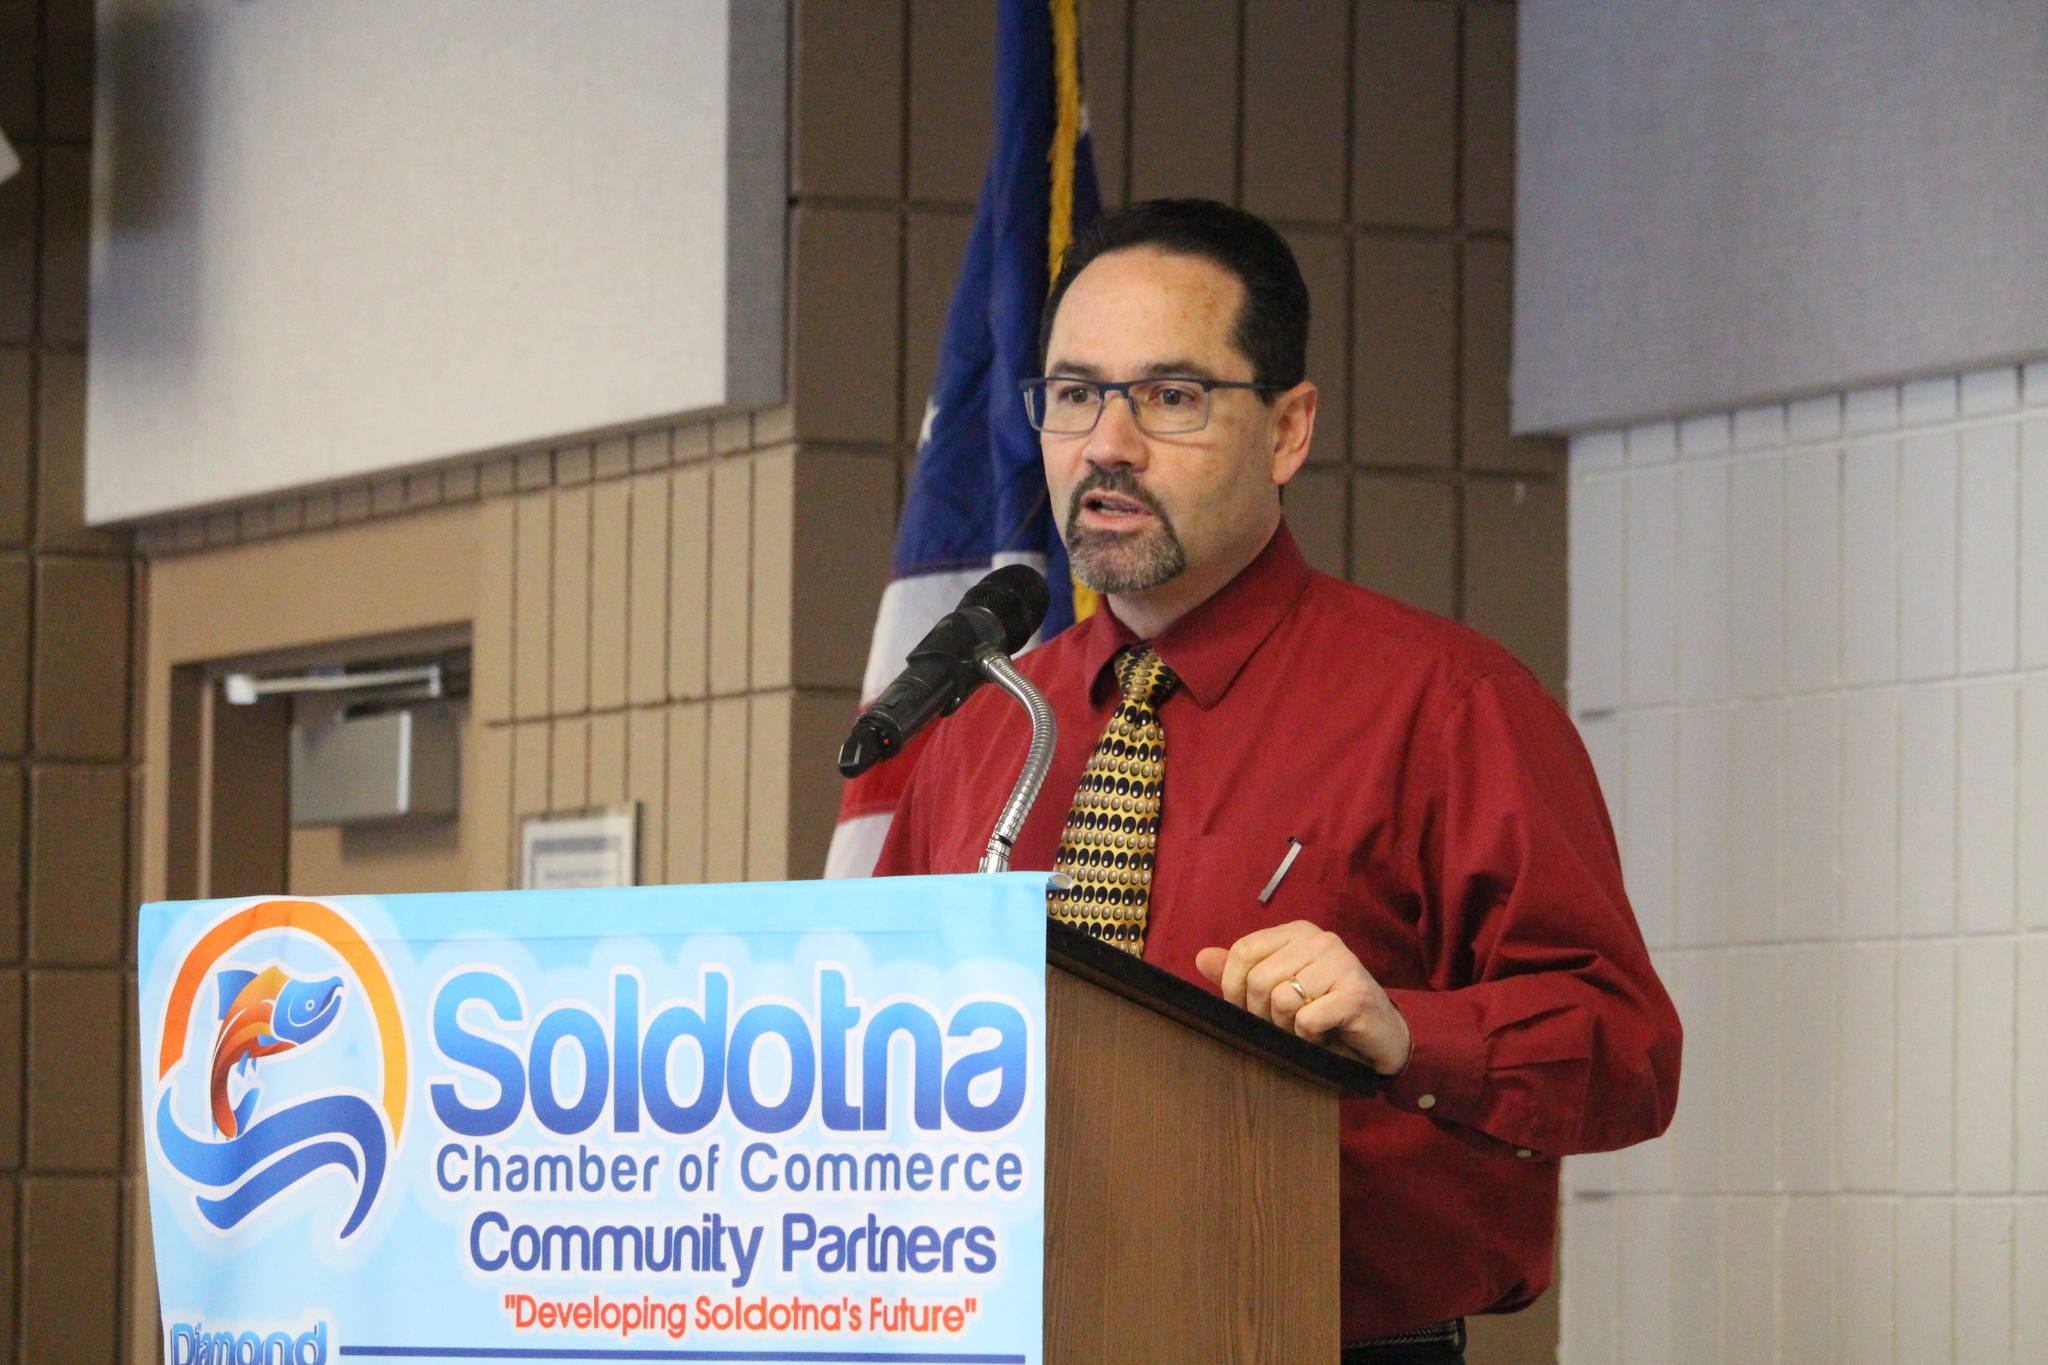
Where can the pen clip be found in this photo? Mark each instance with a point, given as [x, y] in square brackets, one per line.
[1293, 852]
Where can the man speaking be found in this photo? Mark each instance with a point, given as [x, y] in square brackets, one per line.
[1361, 821]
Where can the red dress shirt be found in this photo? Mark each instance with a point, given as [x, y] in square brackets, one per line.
[1452, 833]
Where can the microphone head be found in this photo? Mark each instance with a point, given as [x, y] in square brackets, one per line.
[1017, 597]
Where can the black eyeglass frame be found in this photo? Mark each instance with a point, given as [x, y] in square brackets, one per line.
[1104, 388]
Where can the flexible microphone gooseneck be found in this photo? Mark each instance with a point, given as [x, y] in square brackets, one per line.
[999, 612]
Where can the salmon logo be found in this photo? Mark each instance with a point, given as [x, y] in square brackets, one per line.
[248, 1152]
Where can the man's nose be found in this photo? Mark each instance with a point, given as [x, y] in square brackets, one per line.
[1116, 438]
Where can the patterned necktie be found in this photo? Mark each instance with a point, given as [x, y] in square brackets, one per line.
[1114, 824]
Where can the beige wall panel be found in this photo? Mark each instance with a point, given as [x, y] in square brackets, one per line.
[384, 858]
[952, 111]
[775, 548]
[1326, 269]
[846, 501]
[78, 864]
[688, 790]
[689, 583]
[1184, 85]
[647, 592]
[13, 1079]
[817, 722]
[848, 91]
[1404, 353]
[611, 457]
[487, 806]
[60, 459]
[532, 763]
[1515, 571]
[652, 449]
[610, 530]
[844, 323]
[569, 765]
[67, 219]
[1404, 114]
[725, 791]
[14, 643]
[1295, 68]
[75, 1095]
[608, 758]
[768, 773]
[376, 578]
[647, 786]
[572, 465]
[16, 405]
[732, 566]
[1105, 43]
[13, 830]
[70, 1228]
[490, 640]
[1489, 117]
[81, 658]
[1483, 333]
[533, 600]
[1404, 540]
[10, 1223]
[1318, 512]
[569, 671]
[933, 247]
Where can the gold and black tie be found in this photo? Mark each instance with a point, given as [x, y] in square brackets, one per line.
[1113, 826]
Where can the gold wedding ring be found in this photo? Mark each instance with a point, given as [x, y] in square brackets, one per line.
[1301, 990]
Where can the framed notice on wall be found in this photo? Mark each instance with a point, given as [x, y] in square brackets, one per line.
[587, 850]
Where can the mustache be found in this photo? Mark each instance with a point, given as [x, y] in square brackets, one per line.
[1112, 479]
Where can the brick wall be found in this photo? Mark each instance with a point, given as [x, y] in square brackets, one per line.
[66, 604]
[1810, 654]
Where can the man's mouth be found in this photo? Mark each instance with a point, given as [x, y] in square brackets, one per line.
[1102, 505]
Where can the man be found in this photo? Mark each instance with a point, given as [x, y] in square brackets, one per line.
[1360, 821]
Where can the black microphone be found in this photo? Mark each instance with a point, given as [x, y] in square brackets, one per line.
[1001, 611]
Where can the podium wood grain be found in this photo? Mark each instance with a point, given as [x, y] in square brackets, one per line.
[1191, 1210]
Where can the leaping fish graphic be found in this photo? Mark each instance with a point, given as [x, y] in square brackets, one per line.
[262, 1014]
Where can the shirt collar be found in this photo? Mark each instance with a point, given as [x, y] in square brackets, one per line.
[1209, 646]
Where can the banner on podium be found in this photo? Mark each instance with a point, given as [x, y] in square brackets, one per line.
[770, 1122]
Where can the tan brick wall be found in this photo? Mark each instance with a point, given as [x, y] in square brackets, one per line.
[67, 608]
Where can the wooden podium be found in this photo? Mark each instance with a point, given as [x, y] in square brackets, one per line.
[1191, 1171]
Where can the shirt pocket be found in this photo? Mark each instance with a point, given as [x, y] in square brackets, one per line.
[1229, 873]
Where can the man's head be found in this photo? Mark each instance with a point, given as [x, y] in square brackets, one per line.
[1159, 518]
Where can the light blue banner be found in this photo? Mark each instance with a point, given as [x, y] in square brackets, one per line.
[772, 1122]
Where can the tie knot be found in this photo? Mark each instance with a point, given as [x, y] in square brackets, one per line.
[1144, 676]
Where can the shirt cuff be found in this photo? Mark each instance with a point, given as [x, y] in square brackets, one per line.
[1446, 1072]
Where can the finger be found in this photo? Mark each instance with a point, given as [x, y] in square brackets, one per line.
[1267, 993]
[1253, 949]
[1209, 962]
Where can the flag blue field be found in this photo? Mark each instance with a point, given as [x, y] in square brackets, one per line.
[977, 498]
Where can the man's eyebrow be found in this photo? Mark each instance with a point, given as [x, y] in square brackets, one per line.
[1177, 369]
[1073, 369]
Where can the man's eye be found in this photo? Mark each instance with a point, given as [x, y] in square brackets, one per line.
[1074, 395]
[1174, 395]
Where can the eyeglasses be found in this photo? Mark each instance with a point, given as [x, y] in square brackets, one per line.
[1161, 407]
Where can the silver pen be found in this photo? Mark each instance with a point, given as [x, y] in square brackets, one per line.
[1293, 852]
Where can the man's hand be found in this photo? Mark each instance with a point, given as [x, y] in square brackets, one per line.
[1305, 980]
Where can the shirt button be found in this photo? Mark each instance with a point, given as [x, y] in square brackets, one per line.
[1524, 1153]
[1426, 1102]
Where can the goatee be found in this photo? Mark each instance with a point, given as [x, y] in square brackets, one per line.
[1121, 561]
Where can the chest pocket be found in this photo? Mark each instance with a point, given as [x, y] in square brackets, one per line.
[1230, 873]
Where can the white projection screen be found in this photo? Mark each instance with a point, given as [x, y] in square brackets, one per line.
[334, 238]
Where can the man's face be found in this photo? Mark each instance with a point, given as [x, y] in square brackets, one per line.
[1143, 513]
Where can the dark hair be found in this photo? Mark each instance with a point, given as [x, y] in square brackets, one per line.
[1272, 331]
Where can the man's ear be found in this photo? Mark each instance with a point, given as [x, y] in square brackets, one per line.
[1294, 427]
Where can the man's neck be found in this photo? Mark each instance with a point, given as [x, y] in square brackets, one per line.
[1150, 613]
